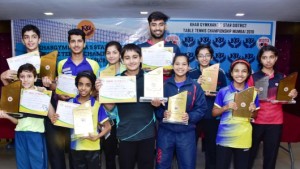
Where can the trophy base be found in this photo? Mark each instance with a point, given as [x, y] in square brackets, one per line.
[283, 101]
[16, 115]
[149, 99]
[174, 122]
[212, 92]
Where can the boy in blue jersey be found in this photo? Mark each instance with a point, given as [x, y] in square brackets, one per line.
[58, 137]
[76, 63]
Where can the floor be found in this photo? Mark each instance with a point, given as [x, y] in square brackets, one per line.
[7, 160]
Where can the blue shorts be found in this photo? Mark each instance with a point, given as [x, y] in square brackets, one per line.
[31, 151]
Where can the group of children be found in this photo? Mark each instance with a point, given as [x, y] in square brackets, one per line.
[132, 126]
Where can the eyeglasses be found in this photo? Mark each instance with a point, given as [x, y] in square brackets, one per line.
[204, 56]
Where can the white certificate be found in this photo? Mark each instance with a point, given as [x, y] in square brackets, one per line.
[153, 83]
[153, 86]
[35, 102]
[157, 57]
[118, 89]
[66, 85]
[83, 119]
[33, 58]
[65, 112]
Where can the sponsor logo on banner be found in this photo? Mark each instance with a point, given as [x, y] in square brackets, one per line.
[204, 41]
[249, 42]
[219, 42]
[188, 41]
[173, 38]
[263, 41]
[219, 57]
[88, 28]
[234, 42]
[234, 56]
[191, 56]
[250, 57]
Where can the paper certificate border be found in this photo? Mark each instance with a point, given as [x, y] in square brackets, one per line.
[60, 92]
[145, 66]
[105, 99]
[35, 56]
[30, 111]
[151, 67]
[60, 122]
[63, 124]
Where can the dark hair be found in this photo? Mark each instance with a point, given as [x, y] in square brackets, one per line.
[31, 28]
[265, 49]
[131, 47]
[203, 46]
[181, 55]
[27, 67]
[245, 62]
[76, 32]
[157, 15]
[113, 43]
[88, 74]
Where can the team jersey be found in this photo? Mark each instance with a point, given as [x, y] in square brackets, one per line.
[99, 116]
[233, 132]
[67, 66]
[269, 113]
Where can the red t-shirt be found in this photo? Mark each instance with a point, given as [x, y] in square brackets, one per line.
[268, 113]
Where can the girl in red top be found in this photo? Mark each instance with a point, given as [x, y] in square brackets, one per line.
[267, 126]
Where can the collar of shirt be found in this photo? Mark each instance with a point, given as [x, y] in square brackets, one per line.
[270, 76]
[233, 89]
[151, 43]
[92, 99]
[70, 61]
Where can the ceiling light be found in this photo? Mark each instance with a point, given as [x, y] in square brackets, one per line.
[48, 13]
[239, 14]
[143, 12]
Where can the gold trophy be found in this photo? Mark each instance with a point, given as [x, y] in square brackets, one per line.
[48, 65]
[10, 99]
[108, 72]
[285, 86]
[210, 74]
[243, 100]
[177, 108]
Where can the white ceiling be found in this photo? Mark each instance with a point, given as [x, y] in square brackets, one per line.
[272, 10]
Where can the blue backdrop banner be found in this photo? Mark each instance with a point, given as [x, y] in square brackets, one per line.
[230, 39]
